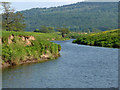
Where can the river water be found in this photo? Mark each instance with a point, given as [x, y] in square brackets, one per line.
[79, 66]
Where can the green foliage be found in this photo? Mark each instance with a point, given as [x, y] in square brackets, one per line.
[82, 16]
[18, 52]
[36, 30]
[44, 29]
[103, 39]
[63, 31]
[73, 35]
[11, 21]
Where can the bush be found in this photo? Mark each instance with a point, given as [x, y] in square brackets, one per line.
[104, 39]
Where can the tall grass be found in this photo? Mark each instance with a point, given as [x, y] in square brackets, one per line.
[18, 52]
[104, 39]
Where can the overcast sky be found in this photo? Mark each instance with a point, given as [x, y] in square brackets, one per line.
[28, 4]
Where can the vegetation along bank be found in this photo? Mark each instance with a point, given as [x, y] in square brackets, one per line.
[26, 47]
[104, 39]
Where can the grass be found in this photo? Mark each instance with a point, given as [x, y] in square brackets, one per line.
[42, 36]
[104, 39]
[17, 52]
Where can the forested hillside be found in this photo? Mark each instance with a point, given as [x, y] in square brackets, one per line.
[82, 16]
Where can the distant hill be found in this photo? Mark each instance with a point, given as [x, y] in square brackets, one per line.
[82, 16]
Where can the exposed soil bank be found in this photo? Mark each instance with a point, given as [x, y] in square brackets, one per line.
[32, 60]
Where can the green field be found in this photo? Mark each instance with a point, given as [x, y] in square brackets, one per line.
[104, 39]
[17, 47]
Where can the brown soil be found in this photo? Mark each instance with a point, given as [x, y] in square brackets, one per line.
[44, 58]
[26, 39]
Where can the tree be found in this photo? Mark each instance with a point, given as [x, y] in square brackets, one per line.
[44, 29]
[80, 18]
[51, 29]
[11, 21]
[36, 30]
[63, 31]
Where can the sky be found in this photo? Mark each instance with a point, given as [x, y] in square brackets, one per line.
[19, 5]
[28, 5]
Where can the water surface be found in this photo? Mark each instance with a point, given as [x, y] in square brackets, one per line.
[79, 66]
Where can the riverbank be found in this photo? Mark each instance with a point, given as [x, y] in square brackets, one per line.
[28, 47]
[30, 61]
[103, 39]
[79, 66]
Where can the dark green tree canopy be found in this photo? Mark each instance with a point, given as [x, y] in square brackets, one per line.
[45, 29]
[77, 17]
[63, 31]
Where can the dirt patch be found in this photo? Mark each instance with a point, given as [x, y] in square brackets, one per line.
[5, 65]
[26, 39]
[10, 38]
[0, 41]
[53, 39]
[44, 58]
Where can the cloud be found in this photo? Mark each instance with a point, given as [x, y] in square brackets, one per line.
[102, 0]
[42, 0]
[71, 1]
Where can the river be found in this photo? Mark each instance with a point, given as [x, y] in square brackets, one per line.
[79, 66]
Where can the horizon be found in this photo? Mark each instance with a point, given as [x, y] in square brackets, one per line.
[21, 6]
[45, 3]
[30, 5]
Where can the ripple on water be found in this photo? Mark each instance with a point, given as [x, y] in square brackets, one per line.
[79, 66]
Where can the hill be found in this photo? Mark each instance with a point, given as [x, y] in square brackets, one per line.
[104, 39]
[81, 16]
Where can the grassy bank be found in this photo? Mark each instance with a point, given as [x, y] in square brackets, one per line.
[74, 35]
[104, 39]
[23, 47]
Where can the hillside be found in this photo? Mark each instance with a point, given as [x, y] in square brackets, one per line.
[82, 16]
[104, 39]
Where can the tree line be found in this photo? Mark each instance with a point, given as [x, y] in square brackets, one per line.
[79, 17]
[14, 21]
[45, 29]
